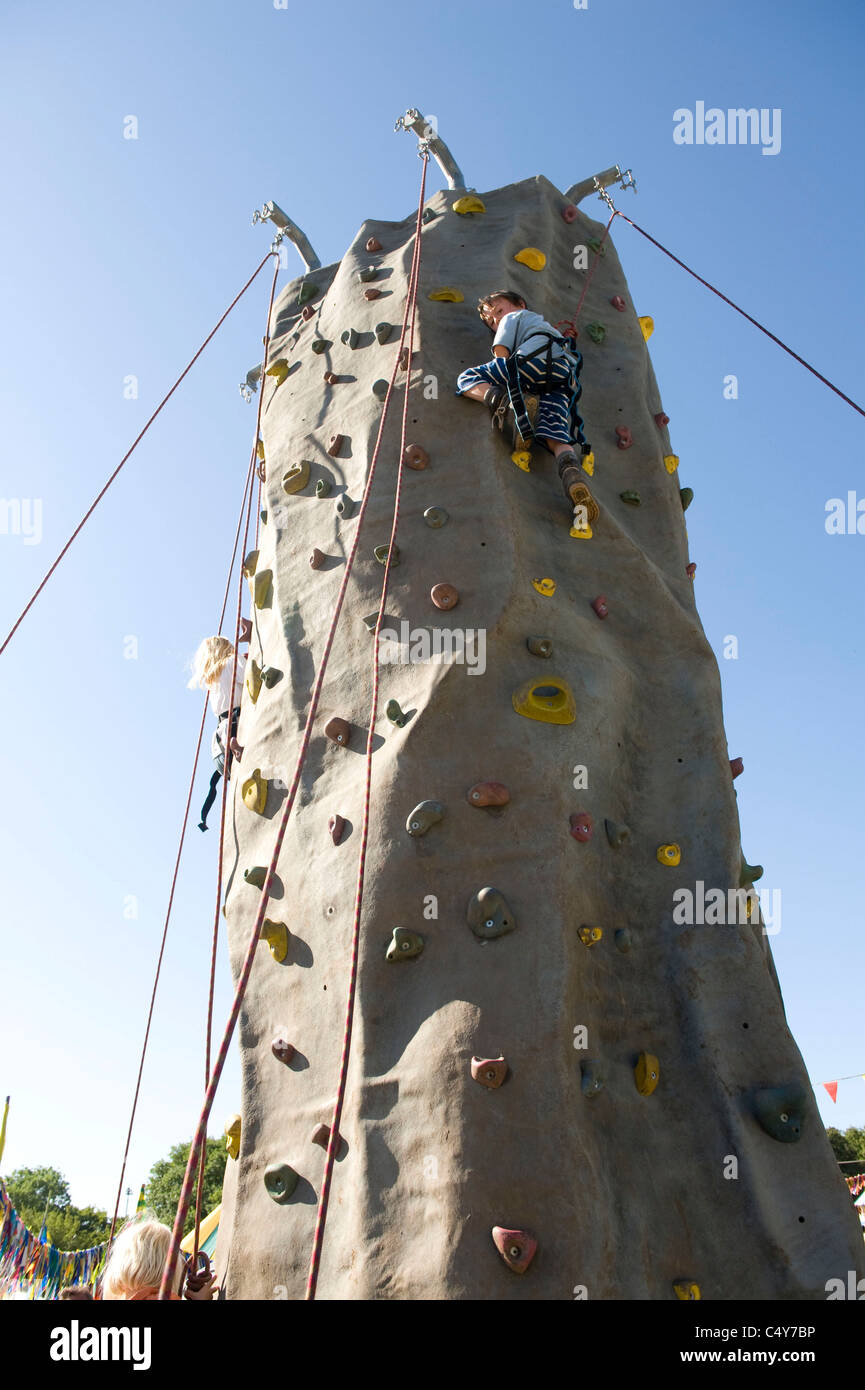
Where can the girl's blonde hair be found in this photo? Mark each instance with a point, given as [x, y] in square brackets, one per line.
[209, 660]
[137, 1259]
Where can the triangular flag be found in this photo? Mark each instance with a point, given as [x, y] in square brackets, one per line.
[140, 1204]
[3, 1127]
[832, 1088]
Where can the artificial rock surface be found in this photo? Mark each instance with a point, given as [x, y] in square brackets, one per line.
[625, 1193]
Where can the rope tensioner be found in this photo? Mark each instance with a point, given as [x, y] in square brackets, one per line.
[272, 212]
[430, 142]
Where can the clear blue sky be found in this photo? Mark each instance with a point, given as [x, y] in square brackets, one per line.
[119, 255]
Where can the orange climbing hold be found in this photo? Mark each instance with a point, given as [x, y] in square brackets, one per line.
[488, 794]
[517, 1248]
[339, 730]
[415, 457]
[489, 1071]
[444, 596]
[336, 443]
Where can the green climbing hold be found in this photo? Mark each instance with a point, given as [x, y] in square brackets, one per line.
[383, 331]
[429, 215]
[596, 331]
[424, 815]
[280, 1179]
[630, 498]
[307, 292]
[351, 337]
[623, 940]
[488, 914]
[371, 273]
[540, 646]
[686, 497]
[380, 554]
[393, 711]
[319, 345]
[370, 621]
[749, 873]
[592, 1081]
[255, 876]
[323, 487]
[435, 517]
[781, 1111]
[404, 945]
[617, 835]
[595, 244]
[380, 388]
[263, 516]
[270, 676]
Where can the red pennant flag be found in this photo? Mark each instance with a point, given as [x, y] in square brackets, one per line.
[832, 1088]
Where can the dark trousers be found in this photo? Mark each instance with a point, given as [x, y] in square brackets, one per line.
[220, 749]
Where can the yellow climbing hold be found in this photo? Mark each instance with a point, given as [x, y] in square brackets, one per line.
[253, 679]
[469, 203]
[250, 563]
[687, 1291]
[259, 449]
[232, 1136]
[547, 587]
[648, 326]
[589, 935]
[448, 294]
[532, 257]
[262, 588]
[522, 458]
[296, 478]
[276, 936]
[548, 700]
[671, 462]
[588, 464]
[279, 371]
[581, 533]
[254, 792]
[669, 854]
[647, 1073]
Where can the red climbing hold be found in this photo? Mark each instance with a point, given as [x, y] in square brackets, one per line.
[339, 730]
[569, 212]
[403, 359]
[415, 457]
[335, 827]
[316, 559]
[488, 794]
[691, 570]
[307, 312]
[336, 441]
[372, 294]
[737, 767]
[444, 596]
[373, 244]
[517, 1248]
[661, 419]
[282, 1050]
[600, 606]
[489, 1071]
[623, 437]
[618, 303]
[581, 826]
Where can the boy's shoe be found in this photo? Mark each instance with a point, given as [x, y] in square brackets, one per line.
[496, 401]
[517, 440]
[575, 488]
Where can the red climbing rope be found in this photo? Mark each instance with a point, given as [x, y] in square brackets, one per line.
[174, 884]
[91, 509]
[593, 268]
[249, 957]
[800, 360]
[333, 1138]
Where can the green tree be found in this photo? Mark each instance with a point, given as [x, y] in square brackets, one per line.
[849, 1145]
[43, 1193]
[164, 1185]
[37, 1188]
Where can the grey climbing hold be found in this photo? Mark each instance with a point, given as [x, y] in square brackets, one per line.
[344, 506]
[488, 914]
[592, 1080]
[425, 814]
[623, 940]
[404, 945]
[380, 388]
[263, 516]
[323, 487]
[428, 215]
[383, 331]
[617, 835]
[255, 876]
[380, 554]
[749, 873]
[370, 621]
[319, 344]
[435, 517]
[351, 337]
[781, 1111]
[270, 676]
[540, 646]
[393, 711]
[371, 273]
[280, 1179]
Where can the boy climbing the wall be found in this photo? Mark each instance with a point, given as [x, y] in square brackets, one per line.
[530, 356]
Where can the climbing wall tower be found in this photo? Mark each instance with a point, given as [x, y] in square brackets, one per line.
[540, 1047]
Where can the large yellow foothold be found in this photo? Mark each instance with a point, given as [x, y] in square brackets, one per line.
[548, 700]
[279, 370]
[588, 464]
[259, 450]
[581, 533]
[276, 936]
[250, 563]
[547, 587]
[470, 202]
[296, 478]
[253, 679]
[532, 257]
[448, 294]
[262, 588]
[589, 935]
[647, 324]
[671, 462]
[687, 1291]
[522, 458]
[647, 1073]
[232, 1136]
[254, 792]
[671, 855]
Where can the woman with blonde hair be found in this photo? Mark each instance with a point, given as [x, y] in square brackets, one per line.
[211, 671]
[137, 1260]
